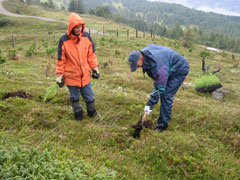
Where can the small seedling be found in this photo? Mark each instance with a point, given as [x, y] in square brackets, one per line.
[51, 91]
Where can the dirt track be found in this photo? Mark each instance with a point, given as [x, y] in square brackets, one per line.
[5, 12]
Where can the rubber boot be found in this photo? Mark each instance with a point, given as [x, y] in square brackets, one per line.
[161, 126]
[77, 109]
[91, 110]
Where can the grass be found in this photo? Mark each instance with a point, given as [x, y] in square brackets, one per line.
[202, 141]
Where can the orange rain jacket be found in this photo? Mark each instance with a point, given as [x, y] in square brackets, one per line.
[76, 55]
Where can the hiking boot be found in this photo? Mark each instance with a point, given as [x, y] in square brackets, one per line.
[91, 110]
[93, 114]
[161, 128]
[77, 109]
[158, 129]
[78, 116]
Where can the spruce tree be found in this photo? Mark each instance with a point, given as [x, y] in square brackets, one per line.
[50, 4]
[72, 6]
[80, 7]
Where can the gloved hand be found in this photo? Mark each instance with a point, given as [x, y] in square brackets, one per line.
[60, 81]
[95, 73]
[147, 109]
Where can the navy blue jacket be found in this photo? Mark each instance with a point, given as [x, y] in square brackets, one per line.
[160, 63]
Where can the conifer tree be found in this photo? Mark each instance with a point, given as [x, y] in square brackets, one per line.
[80, 7]
[50, 4]
[72, 6]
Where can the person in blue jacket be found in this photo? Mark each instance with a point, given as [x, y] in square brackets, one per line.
[168, 69]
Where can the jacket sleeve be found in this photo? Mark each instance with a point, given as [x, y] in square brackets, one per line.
[154, 98]
[92, 58]
[60, 65]
[160, 82]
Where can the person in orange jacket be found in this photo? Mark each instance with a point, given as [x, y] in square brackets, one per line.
[76, 60]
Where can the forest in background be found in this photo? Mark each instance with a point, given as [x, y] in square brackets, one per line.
[163, 19]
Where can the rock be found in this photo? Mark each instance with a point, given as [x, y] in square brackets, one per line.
[16, 57]
[219, 94]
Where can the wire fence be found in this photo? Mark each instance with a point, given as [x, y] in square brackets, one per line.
[18, 39]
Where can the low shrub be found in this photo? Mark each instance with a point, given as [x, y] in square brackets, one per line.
[11, 53]
[204, 54]
[22, 163]
[3, 21]
[2, 58]
[50, 51]
[31, 51]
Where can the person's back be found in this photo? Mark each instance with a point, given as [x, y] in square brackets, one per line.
[164, 56]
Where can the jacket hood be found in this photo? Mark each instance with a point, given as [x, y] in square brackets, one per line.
[75, 20]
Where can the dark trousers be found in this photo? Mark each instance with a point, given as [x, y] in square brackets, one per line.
[86, 92]
[173, 84]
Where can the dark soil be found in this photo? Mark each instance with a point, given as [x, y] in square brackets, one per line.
[138, 127]
[209, 89]
[20, 94]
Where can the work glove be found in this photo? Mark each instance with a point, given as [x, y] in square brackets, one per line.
[147, 109]
[60, 81]
[95, 73]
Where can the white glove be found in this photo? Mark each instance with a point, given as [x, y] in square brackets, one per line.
[59, 79]
[147, 109]
[95, 73]
[96, 70]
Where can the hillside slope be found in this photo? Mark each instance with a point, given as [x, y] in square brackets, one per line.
[202, 141]
[169, 14]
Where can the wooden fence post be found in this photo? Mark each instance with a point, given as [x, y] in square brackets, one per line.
[127, 32]
[117, 32]
[89, 31]
[144, 33]
[35, 40]
[136, 33]
[13, 41]
[151, 33]
[103, 31]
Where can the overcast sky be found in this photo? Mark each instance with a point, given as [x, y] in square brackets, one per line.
[200, 5]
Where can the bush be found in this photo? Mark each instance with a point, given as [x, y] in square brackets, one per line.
[3, 21]
[22, 163]
[204, 53]
[224, 54]
[50, 51]
[117, 52]
[206, 80]
[11, 53]
[31, 51]
[2, 59]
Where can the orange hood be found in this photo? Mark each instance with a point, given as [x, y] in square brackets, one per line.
[75, 20]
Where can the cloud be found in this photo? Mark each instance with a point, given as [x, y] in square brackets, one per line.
[218, 10]
[202, 8]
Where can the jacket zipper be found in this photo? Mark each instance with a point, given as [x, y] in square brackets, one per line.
[80, 64]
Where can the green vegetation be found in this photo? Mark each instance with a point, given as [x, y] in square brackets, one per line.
[51, 91]
[2, 58]
[204, 53]
[207, 80]
[76, 6]
[33, 163]
[3, 20]
[202, 141]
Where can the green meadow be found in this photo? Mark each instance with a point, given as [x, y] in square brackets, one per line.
[202, 141]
